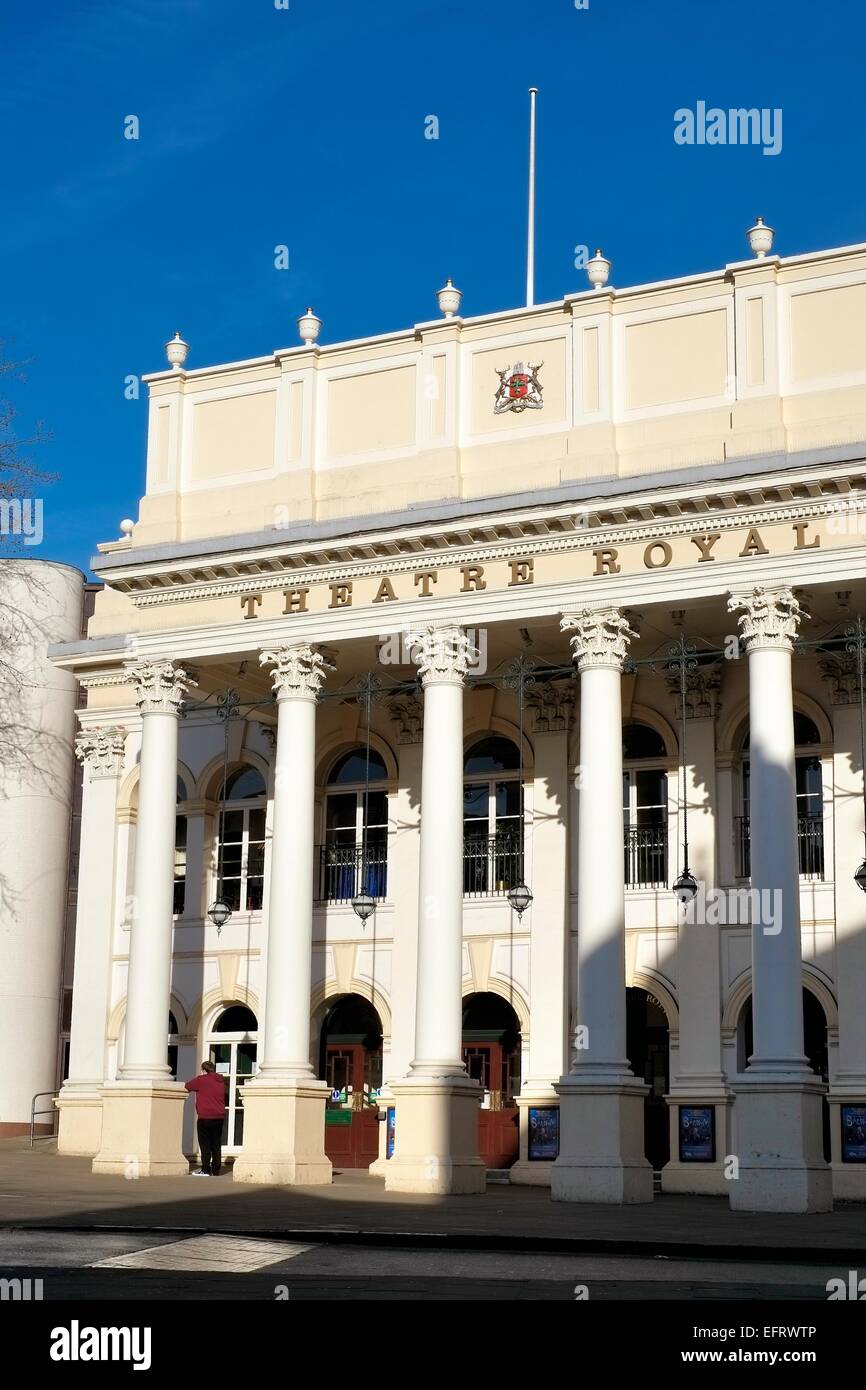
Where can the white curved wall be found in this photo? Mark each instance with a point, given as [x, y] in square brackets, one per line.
[40, 603]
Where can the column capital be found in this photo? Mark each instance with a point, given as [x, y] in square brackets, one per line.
[101, 750]
[769, 617]
[444, 654]
[299, 671]
[551, 706]
[160, 686]
[601, 636]
[407, 713]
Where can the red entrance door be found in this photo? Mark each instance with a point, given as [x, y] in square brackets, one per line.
[351, 1119]
[492, 1067]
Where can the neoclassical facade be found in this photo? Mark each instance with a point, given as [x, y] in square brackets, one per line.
[407, 707]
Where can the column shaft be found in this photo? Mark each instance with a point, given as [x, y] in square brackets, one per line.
[284, 1105]
[777, 1111]
[601, 1154]
[80, 1103]
[438, 1020]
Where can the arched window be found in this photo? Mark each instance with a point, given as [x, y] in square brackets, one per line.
[243, 801]
[492, 816]
[351, 808]
[645, 806]
[810, 801]
[180, 851]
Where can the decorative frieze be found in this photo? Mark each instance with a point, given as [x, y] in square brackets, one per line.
[768, 617]
[408, 714]
[840, 673]
[702, 691]
[444, 654]
[601, 636]
[160, 686]
[550, 705]
[299, 671]
[101, 750]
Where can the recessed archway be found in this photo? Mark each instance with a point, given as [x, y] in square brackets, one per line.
[491, 1055]
[350, 1061]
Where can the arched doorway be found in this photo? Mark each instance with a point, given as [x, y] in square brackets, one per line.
[232, 1047]
[815, 1046]
[648, 1050]
[491, 1054]
[350, 1060]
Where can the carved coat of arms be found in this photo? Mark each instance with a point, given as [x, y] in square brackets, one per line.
[519, 388]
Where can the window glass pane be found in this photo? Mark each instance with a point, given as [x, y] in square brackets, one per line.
[245, 783]
[255, 891]
[492, 755]
[377, 808]
[475, 800]
[256, 860]
[231, 893]
[352, 767]
[651, 788]
[809, 791]
[805, 730]
[640, 741]
[341, 810]
[507, 799]
[257, 825]
[232, 825]
[231, 860]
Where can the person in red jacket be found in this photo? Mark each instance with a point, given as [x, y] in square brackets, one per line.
[209, 1090]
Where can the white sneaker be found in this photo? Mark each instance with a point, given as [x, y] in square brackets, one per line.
[200, 1173]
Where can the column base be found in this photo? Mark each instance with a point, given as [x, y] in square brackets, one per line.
[601, 1150]
[284, 1135]
[142, 1124]
[79, 1122]
[532, 1172]
[779, 1146]
[697, 1176]
[436, 1137]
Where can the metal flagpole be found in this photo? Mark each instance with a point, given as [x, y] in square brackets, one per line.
[530, 235]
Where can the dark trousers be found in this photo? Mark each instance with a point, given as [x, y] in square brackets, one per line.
[210, 1142]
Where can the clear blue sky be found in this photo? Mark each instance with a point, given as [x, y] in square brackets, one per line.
[305, 126]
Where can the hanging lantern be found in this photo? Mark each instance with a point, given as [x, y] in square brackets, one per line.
[860, 876]
[219, 913]
[685, 887]
[520, 898]
[363, 906]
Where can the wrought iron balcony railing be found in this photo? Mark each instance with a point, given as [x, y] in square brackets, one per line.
[342, 875]
[646, 856]
[491, 865]
[810, 847]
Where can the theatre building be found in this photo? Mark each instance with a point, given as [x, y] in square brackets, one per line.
[434, 663]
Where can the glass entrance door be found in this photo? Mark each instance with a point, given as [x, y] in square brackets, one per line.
[236, 1061]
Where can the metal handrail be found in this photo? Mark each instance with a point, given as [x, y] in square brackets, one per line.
[645, 850]
[52, 1110]
[343, 872]
[810, 847]
[491, 864]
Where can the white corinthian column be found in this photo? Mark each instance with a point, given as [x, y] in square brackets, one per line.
[142, 1112]
[777, 1110]
[284, 1106]
[601, 1154]
[436, 1120]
